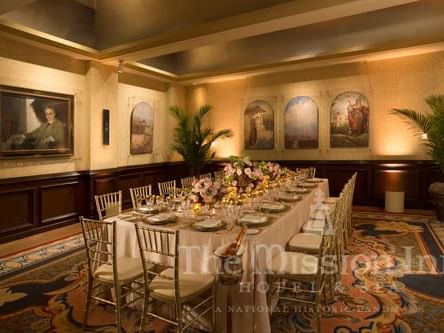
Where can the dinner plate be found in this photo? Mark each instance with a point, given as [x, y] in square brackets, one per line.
[285, 196]
[210, 224]
[252, 231]
[162, 218]
[131, 218]
[273, 207]
[314, 180]
[298, 190]
[148, 209]
[254, 219]
[308, 185]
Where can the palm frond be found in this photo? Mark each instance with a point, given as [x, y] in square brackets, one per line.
[192, 140]
[420, 120]
[432, 124]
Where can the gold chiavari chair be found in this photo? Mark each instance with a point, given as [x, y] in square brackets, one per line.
[109, 204]
[187, 182]
[301, 278]
[167, 187]
[106, 271]
[140, 193]
[205, 175]
[191, 294]
[218, 174]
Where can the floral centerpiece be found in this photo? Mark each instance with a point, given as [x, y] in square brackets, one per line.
[270, 169]
[207, 191]
[242, 174]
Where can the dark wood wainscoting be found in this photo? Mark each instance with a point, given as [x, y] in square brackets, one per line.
[376, 177]
[31, 204]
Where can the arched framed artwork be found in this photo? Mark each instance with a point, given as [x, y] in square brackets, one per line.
[349, 121]
[259, 125]
[301, 123]
[142, 126]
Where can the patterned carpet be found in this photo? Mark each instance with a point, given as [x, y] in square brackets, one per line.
[402, 294]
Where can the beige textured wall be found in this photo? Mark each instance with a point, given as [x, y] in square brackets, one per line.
[99, 88]
[403, 82]
[31, 76]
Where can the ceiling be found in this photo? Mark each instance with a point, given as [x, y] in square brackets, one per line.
[193, 40]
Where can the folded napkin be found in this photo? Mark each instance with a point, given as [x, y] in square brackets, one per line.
[209, 223]
[250, 218]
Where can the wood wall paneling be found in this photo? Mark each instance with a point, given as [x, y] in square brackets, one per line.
[17, 210]
[32, 204]
[59, 202]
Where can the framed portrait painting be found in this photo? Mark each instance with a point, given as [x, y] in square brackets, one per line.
[259, 125]
[35, 123]
[142, 126]
[349, 121]
[301, 120]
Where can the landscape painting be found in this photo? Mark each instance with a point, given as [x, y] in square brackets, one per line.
[349, 121]
[301, 123]
[259, 125]
[142, 125]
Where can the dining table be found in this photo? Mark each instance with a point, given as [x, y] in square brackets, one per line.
[241, 307]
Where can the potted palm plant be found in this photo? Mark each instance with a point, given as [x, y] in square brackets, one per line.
[430, 127]
[192, 140]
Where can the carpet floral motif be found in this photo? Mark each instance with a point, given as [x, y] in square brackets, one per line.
[381, 288]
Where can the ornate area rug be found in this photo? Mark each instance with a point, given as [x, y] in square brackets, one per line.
[393, 281]
[18, 262]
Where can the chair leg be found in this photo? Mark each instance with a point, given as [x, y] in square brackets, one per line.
[213, 313]
[146, 298]
[179, 317]
[88, 302]
[118, 307]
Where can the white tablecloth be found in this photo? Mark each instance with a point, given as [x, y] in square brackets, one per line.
[247, 309]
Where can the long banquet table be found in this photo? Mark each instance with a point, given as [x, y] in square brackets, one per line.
[243, 307]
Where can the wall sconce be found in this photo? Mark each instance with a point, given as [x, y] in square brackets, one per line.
[424, 136]
[120, 67]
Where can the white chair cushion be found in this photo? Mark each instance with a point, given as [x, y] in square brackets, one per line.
[189, 284]
[294, 263]
[127, 269]
[309, 241]
[314, 226]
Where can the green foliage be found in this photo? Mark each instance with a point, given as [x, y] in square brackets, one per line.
[193, 141]
[431, 123]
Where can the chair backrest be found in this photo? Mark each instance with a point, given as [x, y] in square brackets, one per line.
[205, 175]
[139, 193]
[218, 174]
[311, 172]
[100, 244]
[159, 247]
[187, 182]
[109, 204]
[167, 187]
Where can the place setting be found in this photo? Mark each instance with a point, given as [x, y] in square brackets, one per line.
[209, 224]
[160, 219]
